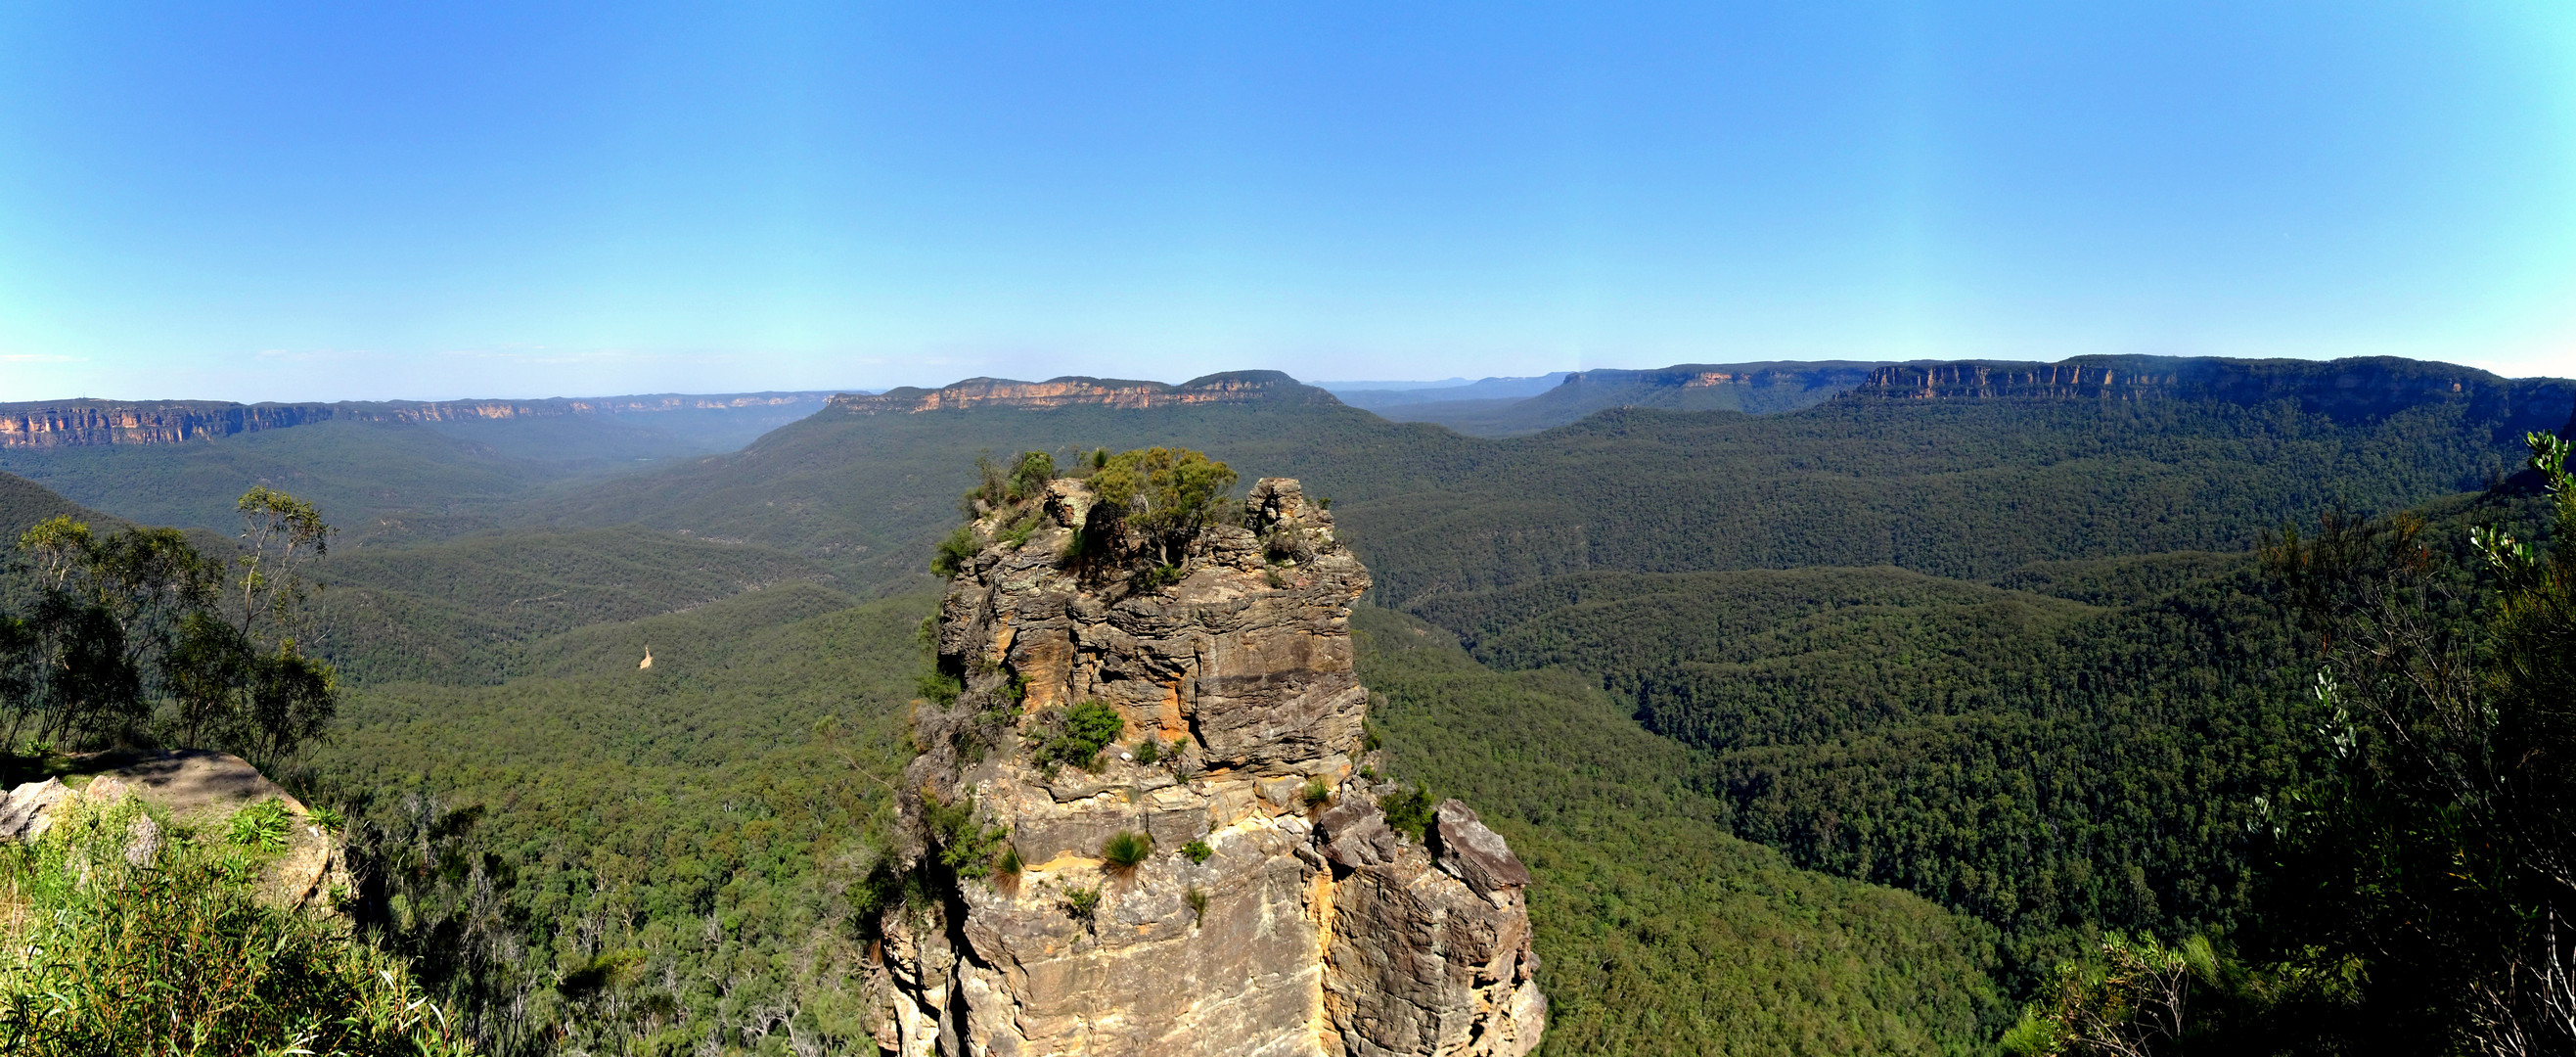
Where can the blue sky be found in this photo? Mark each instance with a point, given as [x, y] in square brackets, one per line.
[353, 201]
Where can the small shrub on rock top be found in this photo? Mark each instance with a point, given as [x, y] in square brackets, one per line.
[1408, 812]
[1198, 904]
[1316, 793]
[953, 554]
[1197, 852]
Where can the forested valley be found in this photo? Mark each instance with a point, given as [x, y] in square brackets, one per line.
[2188, 725]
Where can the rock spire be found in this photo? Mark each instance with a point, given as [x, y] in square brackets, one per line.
[1221, 879]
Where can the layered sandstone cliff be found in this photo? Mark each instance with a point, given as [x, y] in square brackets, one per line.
[1233, 387]
[83, 423]
[2361, 388]
[1276, 912]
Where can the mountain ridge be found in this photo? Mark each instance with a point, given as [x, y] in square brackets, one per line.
[1225, 387]
[92, 422]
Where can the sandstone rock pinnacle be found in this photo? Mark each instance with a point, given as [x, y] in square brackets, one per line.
[1221, 879]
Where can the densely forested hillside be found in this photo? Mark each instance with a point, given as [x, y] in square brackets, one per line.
[2095, 750]
[387, 482]
[657, 857]
[466, 610]
[605, 858]
[24, 503]
[1986, 676]
[1662, 934]
[1967, 488]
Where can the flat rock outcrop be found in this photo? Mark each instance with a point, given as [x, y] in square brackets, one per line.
[190, 785]
[1262, 902]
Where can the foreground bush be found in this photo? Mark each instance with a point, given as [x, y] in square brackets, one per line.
[124, 939]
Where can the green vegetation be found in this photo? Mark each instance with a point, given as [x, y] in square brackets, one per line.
[1408, 812]
[1125, 850]
[1662, 933]
[262, 826]
[127, 935]
[1077, 735]
[705, 826]
[1082, 904]
[1965, 488]
[137, 635]
[2010, 655]
[966, 846]
[1197, 852]
[390, 482]
[2424, 871]
[1166, 494]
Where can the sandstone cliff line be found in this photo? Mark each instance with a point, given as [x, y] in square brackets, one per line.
[1234, 387]
[78, 423]
[2361, 388]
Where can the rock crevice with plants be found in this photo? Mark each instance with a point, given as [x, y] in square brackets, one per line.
[1143, 818]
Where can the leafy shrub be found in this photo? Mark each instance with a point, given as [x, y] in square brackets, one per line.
[1168, 494]
[1408, 812]
[1086, 729]
[1197, 852]
[940, 688]
[1082, 903]
[1126, 850]
[1029, 476]
[953, 553]
[171, 955]
[1021, 530]
[966, 845]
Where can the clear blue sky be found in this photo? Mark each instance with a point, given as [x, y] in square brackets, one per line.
[272, 201]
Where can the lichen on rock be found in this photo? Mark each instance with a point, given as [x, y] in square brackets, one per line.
[1304, 924]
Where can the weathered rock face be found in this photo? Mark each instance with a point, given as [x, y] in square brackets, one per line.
[1307, 926]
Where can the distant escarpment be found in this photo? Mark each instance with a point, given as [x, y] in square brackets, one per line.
[2347, 390]
[1147, 822]
[1232, 387]
[75, 423]
[1752, 388]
